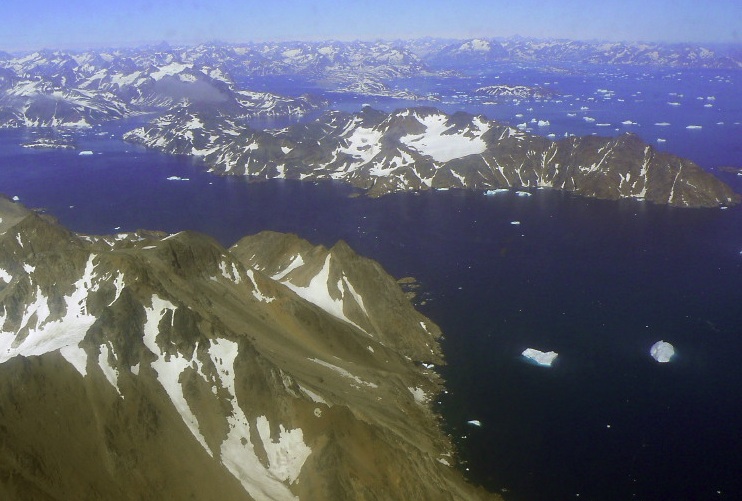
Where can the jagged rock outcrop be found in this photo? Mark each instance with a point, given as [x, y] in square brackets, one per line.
[155, 366]
[424, 148]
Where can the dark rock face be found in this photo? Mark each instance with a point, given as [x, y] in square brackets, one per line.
[155, 366]
[423, 148]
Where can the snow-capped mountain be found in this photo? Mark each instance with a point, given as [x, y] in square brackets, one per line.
[424, 148]
[155, 366]
[518, 49]
[52, 88]
[57, 88]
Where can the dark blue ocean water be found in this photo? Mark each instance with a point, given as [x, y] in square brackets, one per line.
[597, 281]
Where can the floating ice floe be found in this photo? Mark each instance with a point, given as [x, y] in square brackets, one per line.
[662, 351]
[85, 153]
[662, 124]
[16, 198]
[495, 192]
[543, 358]
[475, 422]
[543, 123]
[588, 119]
[629, 122]
[694, 127]
[674, 104]
[515, 222]
[178, 178]
[661, 140]
[522, 193]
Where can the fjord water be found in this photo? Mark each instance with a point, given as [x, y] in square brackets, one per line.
[597, 281]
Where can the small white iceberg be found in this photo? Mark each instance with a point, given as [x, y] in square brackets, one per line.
[661, 140]
[694, 127]
[178, 178]
[475, 422]
[522, 193]
[542, 358]
[85, 153]
[495, 192]
[543, 123]
[662, 351]
[515, 222]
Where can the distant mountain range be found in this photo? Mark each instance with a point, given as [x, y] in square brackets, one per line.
[153, 366]
[423, 148]
[62, 88]
[442, 53]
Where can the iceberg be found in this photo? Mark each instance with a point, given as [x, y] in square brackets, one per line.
[85, 153]
[662, 351]
[475, 422]
[540, 357]
[495, 192]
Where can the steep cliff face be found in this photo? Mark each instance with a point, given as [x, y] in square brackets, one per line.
[153, 366]
[424, 148]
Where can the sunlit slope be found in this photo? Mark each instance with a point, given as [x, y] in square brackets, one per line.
[153, 366]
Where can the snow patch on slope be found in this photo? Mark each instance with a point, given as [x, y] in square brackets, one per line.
[317, 292]
[285, 456]
[437, 143]
[238, 452]
[170, 367]
[44, 335]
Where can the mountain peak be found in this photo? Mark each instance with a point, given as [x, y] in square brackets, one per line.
[259, 371]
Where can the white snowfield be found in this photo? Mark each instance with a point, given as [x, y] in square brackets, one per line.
[542, 358]
[439, 143]
[662, 351]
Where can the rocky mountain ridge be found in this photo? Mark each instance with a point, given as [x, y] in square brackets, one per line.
[418, 149]
[152, 366]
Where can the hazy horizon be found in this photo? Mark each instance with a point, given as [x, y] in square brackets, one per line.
[85, 24]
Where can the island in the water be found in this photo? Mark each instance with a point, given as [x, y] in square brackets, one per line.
[424, 148]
